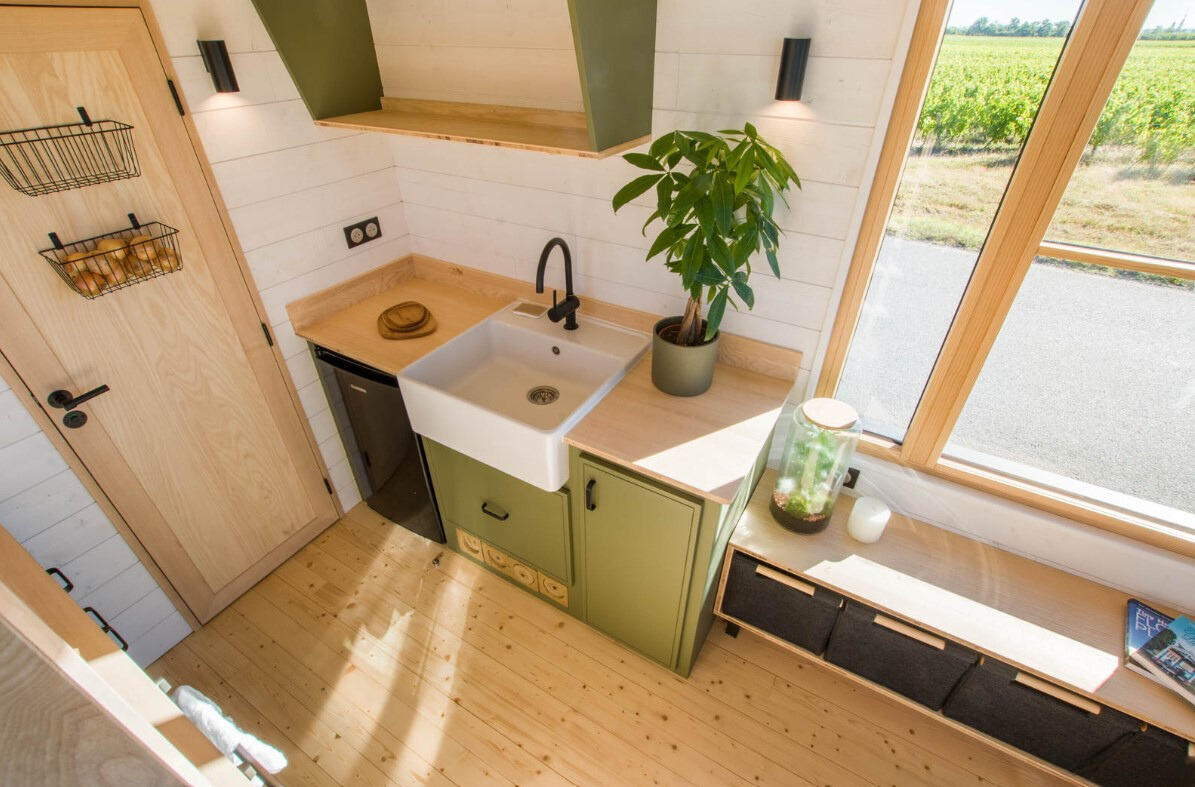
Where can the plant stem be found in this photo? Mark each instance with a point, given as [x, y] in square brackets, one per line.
[690, 325]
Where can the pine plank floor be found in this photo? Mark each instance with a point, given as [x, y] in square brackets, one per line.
[374, 657]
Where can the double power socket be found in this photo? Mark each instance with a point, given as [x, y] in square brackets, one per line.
[362, 232]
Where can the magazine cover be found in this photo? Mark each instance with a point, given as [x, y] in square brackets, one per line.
[1171, 654]
[1142, 623]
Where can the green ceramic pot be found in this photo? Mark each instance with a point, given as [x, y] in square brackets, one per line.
[681, 371]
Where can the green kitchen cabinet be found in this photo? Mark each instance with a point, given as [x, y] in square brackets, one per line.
[648, 557]
[521, 520]
[636, 541]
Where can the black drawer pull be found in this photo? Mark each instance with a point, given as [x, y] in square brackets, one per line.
[500, 517]
[67, 585]
[103, 624]
[589, 504]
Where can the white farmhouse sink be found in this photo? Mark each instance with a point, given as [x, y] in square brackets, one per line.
[478, 393]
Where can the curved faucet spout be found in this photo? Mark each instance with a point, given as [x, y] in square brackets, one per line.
[567, 310]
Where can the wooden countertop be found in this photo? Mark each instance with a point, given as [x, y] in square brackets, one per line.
[353, 330]
[704, 444]
[1036, 617]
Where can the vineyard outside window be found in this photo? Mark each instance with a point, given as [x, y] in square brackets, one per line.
[1089, 388]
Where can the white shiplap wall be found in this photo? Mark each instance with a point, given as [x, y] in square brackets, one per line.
[716, 66]
[518, 52]
[289, 187]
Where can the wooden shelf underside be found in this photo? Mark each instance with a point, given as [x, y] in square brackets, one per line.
[548, 131]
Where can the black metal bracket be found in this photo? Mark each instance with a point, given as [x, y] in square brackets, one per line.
[107, 629]
[67, 585]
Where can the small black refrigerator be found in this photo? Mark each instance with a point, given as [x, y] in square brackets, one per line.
[385, 454]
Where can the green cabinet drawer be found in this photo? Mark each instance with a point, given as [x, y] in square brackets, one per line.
[514, 516]
[637, 547]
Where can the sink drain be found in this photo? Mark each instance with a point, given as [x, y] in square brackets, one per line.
[543, 394]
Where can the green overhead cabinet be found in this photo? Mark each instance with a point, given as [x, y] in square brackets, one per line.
[327, 46]
[615, 42]
[649, 557]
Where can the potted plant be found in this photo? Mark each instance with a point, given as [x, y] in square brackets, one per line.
[715, 194]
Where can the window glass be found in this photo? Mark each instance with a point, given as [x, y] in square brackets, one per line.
[1090, 388]
[984, 93]
[1134, 189]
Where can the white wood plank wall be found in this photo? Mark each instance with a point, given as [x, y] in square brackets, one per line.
[716, 67]
[518, 53]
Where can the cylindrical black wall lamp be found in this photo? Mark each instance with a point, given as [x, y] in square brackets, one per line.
[215, 58]
[792, 69]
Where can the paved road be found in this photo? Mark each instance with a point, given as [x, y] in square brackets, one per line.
[1092, 377]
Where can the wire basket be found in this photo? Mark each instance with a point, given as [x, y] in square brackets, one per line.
[115, 260]
[37, 161]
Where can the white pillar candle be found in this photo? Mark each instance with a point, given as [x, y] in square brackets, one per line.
[868, 519]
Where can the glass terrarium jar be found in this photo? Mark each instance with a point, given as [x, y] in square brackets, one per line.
[816, 456]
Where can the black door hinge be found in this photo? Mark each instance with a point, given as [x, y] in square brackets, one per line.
[266, 330]
[327, 486]
[178, 102]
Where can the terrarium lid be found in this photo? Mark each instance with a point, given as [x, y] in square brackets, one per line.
[829, 413]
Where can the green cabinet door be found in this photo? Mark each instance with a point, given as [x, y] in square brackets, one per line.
[522, 520]
[637, 543]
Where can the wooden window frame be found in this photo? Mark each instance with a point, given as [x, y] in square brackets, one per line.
[1092, 59]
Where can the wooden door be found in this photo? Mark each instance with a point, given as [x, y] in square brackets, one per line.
[637, 543]
[198, 444]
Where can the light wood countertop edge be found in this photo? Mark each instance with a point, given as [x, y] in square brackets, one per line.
[952, 565]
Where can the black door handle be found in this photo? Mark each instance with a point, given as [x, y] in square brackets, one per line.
[589, 504]
[107, 629]
[501, 518]
[63, 400]
[67, 585]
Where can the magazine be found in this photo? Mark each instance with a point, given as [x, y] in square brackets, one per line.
[1171, 656]
[1142, 623]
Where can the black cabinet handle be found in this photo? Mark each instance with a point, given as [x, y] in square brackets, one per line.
[589, 504]
[500, 517]
[67, 585]
[103, 624]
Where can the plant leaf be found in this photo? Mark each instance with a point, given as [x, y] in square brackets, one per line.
[750, 131]
[644, 161]
[745, 246]
[717, 308]
[721, 254]
[650, 219]
[633, 189]
[773, 262]
[688, 196]
[662, 144]
[691, 260]
[710, 274]
[744, 292]
[667, 237]
[704, 210]
[664, 190]
[722, 195]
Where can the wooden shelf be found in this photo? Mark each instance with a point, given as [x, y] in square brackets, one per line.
[545, 130]
[1057, 625]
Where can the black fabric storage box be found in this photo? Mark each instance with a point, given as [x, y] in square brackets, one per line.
[991, 701]
[1153, 757]
[919, 671]
[778, 608]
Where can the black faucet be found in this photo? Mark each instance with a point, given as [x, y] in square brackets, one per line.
[567, 309]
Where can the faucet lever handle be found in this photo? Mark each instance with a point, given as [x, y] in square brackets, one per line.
[553, 297]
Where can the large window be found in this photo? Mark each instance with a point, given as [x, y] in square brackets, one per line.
[1020, 311]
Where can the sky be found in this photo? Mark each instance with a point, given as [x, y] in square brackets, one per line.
[964, 12]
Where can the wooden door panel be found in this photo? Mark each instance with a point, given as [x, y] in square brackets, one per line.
[198, 442]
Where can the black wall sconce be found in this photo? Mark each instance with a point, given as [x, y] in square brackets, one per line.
[792, 69]
[215, 58]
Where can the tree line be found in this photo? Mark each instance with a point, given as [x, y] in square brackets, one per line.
[1019, 28]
